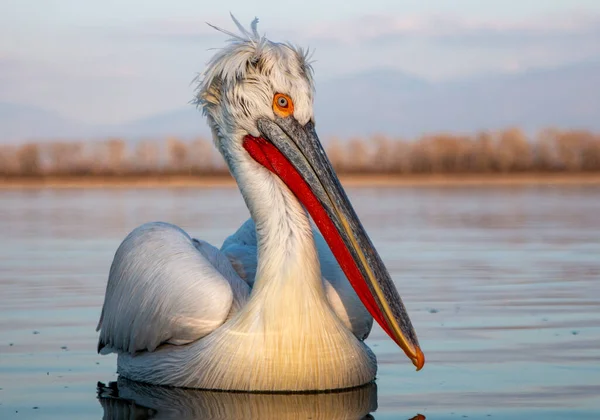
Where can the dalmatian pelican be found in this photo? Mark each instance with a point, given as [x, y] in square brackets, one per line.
[282, 305]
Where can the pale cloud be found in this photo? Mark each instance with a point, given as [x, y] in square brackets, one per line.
[454, 28]
[435, 46]
[377, 30]
[128, 70]
[441, 47]
[169, 29]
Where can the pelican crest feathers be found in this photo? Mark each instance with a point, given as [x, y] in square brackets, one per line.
[246, 53]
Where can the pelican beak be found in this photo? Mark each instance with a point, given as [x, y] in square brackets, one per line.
[294, 153]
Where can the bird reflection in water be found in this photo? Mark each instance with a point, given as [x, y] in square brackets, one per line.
[127, 399]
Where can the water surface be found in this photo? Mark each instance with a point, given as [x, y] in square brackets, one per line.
[502, 285]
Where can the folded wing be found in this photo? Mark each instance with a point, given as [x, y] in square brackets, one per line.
[165, 287]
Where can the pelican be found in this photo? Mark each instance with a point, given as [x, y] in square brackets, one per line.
[284, 304]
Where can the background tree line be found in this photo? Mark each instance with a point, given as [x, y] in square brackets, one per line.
[504, 151]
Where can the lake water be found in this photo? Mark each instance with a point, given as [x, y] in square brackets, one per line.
[502, 285]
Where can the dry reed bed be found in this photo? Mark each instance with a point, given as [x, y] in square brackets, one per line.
[506, 152]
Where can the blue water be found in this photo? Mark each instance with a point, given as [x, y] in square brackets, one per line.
[502, 285]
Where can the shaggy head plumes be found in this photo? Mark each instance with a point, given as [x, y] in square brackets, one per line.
[240, 81]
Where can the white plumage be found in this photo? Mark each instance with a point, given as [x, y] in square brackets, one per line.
[241, 250]
[167, 288]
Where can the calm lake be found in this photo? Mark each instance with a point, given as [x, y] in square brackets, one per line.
[502, 285]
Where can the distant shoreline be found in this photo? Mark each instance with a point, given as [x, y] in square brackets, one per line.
[356, 180]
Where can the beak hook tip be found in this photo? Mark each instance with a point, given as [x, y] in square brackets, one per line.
[419, 360]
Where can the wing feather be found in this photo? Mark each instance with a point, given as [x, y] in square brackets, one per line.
[164, 287]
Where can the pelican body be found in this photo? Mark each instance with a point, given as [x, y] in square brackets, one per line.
[283, 305]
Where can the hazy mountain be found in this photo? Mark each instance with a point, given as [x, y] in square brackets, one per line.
[186, 122]
[23, 122]
[386, 101]
[564, 97]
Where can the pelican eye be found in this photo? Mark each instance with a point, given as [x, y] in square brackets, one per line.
[283, 105]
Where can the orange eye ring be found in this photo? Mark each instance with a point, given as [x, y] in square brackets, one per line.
[283, 105]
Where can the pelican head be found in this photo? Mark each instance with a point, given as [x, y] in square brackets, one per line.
[258, 99]
[254, 79]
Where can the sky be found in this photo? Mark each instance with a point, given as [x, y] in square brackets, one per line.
[119, 60]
